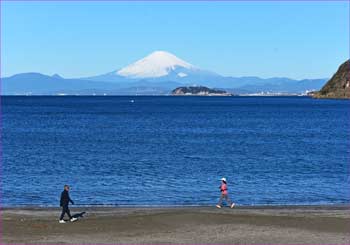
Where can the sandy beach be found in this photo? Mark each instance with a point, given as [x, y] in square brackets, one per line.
[242, 225]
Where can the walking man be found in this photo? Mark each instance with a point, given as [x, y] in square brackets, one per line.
[65, 200]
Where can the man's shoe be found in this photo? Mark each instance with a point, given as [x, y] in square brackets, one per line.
[233, 205]
[61, 221]
[73, 219]
[218, 206]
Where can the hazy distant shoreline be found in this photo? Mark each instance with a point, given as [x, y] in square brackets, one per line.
[158, 95]
[158, 73]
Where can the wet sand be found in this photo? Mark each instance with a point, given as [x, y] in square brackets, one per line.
[242, 225]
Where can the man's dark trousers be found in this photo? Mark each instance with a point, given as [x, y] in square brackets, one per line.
[65, 209]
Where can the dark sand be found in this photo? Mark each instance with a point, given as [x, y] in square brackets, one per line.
[242, 225]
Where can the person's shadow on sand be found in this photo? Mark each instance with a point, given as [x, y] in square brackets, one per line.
[79, 215]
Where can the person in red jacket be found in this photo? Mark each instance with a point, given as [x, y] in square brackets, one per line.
[224, 194]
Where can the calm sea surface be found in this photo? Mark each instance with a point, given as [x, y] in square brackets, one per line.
[174, 150]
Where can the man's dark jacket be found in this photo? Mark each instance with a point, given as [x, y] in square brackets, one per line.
[65, 199]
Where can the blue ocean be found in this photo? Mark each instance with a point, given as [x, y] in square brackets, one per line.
[164, 150]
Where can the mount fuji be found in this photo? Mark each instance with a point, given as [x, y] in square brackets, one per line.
[156, 74]
[157, 64]
[159, 67]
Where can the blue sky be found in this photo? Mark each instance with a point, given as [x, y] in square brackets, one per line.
[266, 39]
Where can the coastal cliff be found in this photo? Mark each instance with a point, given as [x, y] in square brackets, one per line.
[199, 90]
[338, 87]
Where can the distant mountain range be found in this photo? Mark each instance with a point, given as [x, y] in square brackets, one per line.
[156, 74]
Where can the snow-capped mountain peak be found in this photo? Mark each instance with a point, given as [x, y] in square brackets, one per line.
[157, 64]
